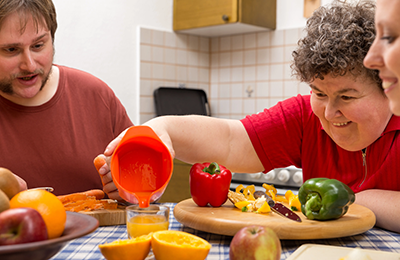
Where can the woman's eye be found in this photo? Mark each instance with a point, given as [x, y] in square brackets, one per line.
[346, 97]
[320, 95]
[389, 39]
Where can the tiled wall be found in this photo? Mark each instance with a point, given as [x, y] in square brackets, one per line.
[241, 74]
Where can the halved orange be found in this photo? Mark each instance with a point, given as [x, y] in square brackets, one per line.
[179, 245]
[129, 249]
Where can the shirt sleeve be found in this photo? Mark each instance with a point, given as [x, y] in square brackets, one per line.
[277, 132]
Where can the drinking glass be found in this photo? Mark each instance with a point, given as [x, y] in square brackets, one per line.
[142, 221]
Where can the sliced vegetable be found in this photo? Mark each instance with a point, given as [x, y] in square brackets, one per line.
[239, 188]
[293, 200]
[270, 190]
[242, 204]
[265, 208]
[86, 201]
[249, 191]
[96, 193]
[280, 198]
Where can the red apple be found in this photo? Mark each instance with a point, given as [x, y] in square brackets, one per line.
[255, 243]
[21, 225]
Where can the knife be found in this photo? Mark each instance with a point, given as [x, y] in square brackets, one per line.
[49, 189]
[278, 207]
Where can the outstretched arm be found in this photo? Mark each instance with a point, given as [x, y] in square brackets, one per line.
[384, 204]
[194, 139]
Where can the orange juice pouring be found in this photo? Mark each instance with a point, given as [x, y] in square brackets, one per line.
[142, 221]
[141, 166]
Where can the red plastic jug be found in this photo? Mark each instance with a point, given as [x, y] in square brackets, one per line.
[141, 166]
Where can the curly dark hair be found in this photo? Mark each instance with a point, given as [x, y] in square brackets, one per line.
[337, 39]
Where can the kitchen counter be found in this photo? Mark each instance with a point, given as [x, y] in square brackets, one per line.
[87, 246]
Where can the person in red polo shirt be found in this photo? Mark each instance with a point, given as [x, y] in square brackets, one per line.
[343, 130]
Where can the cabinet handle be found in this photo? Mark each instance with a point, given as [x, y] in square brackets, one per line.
[225, 18]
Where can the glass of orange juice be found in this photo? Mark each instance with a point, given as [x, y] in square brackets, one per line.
[142, 221]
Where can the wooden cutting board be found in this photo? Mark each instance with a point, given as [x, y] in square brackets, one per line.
[108, 217]
[227, 220]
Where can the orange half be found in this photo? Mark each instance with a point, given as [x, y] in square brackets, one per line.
[179, 245]
[129, 249]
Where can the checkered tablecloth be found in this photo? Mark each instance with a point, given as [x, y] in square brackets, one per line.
[87, 246]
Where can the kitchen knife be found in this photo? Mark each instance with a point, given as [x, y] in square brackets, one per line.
[278, 207]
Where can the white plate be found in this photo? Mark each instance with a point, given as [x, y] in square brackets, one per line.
[318, 252]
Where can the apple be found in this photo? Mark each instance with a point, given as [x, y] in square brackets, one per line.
[255, 243]
[21, 225]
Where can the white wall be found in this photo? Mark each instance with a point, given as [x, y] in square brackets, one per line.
[101, 37]
[290, 13]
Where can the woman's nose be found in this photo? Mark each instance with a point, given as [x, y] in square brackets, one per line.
[332, 111]
[374, 58]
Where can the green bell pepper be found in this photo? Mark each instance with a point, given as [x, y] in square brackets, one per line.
[323, 198]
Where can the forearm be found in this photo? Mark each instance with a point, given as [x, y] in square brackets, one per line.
[192, 137]
[200, 139]
[385, 206]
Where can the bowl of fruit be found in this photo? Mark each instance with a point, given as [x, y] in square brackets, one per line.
[34, 224]
[77, 225]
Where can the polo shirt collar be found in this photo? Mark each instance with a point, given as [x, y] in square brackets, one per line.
[393, 125]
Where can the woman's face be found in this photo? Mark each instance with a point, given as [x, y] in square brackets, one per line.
[353, 112]
[384, 54]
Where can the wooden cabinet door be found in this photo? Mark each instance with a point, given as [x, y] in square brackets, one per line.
[201, 13]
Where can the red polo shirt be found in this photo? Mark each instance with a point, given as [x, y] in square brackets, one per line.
[290, 134]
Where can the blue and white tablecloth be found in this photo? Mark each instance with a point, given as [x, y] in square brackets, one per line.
[87, 246]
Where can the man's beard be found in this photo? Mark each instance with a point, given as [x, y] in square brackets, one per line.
[6, 84]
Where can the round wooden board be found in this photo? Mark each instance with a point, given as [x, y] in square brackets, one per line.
[227, 220]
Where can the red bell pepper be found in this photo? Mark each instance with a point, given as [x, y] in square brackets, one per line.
[209, 184]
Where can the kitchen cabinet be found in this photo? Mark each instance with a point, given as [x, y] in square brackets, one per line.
[178, 188]
[223, 17]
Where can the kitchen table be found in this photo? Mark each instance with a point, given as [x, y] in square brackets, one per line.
[87, 247]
